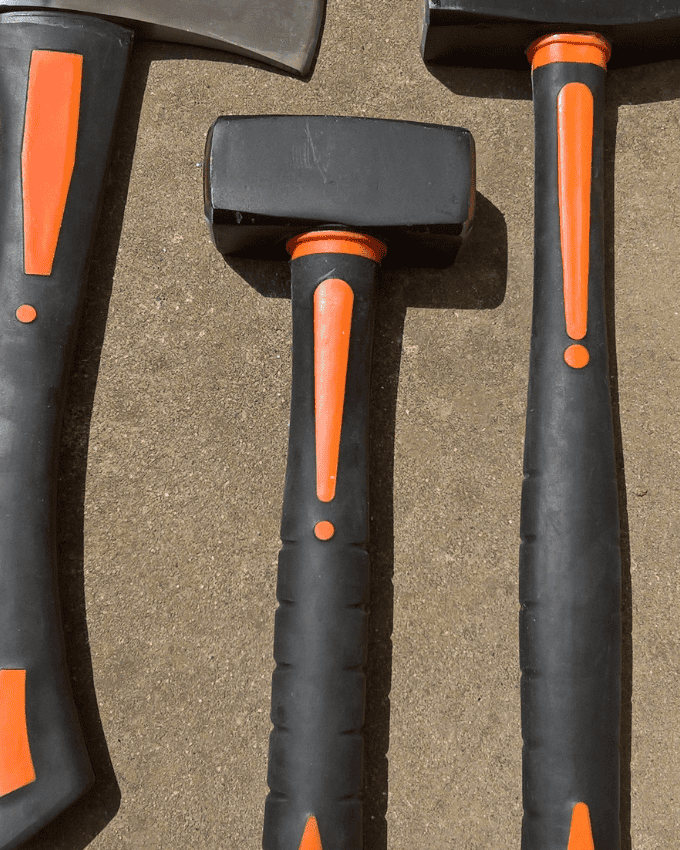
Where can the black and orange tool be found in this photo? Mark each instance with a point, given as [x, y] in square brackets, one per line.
[61, 76]
[339, 194]
[570, 565]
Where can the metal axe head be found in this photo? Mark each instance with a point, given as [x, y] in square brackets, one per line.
[496, 33]
[269, 178]
[283, 33]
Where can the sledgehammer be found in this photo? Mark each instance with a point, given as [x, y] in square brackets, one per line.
[339, 194]
[61, 76]
[570, 568]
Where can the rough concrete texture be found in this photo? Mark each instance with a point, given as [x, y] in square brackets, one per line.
[174, 447]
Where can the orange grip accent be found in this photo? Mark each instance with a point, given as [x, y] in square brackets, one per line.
[26, 314]
[585, 47]
[324, 529]
[16, 764]
[49, 152]
[333, 302]
[577, 356]
[336, 242]
[575, 156]
[581, 833]
[311, 840]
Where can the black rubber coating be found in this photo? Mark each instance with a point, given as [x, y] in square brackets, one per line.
[34, 362]
[316, 747]
[570, 569]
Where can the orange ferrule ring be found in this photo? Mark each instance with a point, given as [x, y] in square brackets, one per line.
[586, 47]
[336, 242]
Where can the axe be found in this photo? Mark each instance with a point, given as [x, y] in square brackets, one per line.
[570, 564]
[338, 195]
[61, 76]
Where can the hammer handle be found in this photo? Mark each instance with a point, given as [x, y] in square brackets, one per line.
[570, 569]
[320, 641]
[60, 80]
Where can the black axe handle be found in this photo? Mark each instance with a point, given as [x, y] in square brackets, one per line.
[61, 77]
[570, 569]
[320, 640]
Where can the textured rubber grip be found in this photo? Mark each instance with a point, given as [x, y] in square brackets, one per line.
[316, 747]
[570, 570]
[60, 80]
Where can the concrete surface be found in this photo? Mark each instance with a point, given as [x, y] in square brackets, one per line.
[174, 451]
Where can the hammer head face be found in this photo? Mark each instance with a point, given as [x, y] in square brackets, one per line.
[283, 33]
[496, 33]
[269, 178]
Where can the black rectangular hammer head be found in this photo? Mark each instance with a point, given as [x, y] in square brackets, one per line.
[269, 178]
[496, 33]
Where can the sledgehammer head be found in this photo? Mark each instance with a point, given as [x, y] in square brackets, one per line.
[496, 33]
[269, 178]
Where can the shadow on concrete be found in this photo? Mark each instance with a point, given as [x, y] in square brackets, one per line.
[625, 86]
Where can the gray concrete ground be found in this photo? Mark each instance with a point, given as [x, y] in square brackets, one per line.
[174, 453]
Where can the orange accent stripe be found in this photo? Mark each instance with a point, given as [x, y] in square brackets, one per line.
[49, 152]
[577, 356]
[311, 840]
[336, 242]
[574, 168]
[333, 302]
[585, 47]
[324, 530]
[16, 764]
[581, 833]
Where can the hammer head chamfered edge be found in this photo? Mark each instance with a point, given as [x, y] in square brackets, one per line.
[496, 33]
[282, 33]
[269, 178]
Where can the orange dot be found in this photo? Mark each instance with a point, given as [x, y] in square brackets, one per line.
[324, 530]
[577, 356]
[26, 313]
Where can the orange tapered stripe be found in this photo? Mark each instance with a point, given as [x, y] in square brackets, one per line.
[311, 840]
[581, 833]
[333, 302]
[574, 167]
[49, 152]
[16, 764]
[584, 47]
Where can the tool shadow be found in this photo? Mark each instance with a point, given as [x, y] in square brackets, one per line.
[477, 281]
[630, 86]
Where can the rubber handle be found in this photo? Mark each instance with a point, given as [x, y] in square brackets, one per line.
[60, 80]
[320, 641]
[570, 568]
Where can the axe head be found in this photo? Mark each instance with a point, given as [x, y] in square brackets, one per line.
[496, 33]
[283, 33]
[269, 178]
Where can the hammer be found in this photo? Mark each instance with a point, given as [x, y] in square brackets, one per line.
[338, 194]
[61, 76]
[570, 564]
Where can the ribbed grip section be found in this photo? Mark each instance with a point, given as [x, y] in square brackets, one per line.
[570, 570]
[60, 80]
[316, 748]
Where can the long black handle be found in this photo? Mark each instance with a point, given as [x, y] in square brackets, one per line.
[60, 80]
[316, 747]
[570, 570]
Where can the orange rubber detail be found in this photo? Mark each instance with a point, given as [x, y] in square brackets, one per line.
[26, 314]
[311, 840]
[49, 152]
[324, 530]
[581, 833]
[574, 168]
[336, 242]
[333, 302]
[585, 47]
[16, 764]
[577, 356]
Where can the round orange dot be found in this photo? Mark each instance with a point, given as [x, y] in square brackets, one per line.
[324, 530]
[26, 313]
[577, 356]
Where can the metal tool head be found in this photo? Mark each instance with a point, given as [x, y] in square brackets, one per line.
[283, 33]
[496, 33]
[269, 178]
